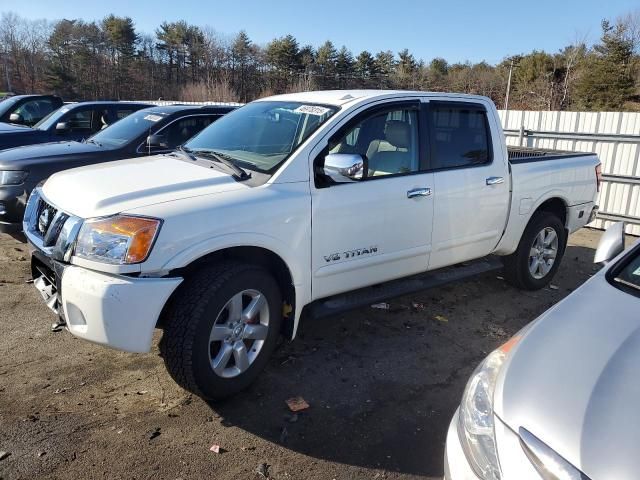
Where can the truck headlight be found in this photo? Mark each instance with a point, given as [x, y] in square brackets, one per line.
[121, 239]
[12, 177]
[475, 425]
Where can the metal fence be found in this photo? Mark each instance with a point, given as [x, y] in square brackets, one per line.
[614, 136]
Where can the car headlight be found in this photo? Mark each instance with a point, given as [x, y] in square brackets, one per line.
[121, 239]
[475, 424]
[12, 177]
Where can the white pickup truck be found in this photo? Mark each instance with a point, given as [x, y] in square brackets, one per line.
[301, 203]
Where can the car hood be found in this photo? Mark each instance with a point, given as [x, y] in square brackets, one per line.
[13, 128]
[44, 152]
[109, 188]
[572, 381]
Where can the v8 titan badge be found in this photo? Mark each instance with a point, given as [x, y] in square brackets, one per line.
[358, 252]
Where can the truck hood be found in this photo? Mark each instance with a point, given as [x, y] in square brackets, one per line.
[110, 188]
[27, 155]
[572, 381]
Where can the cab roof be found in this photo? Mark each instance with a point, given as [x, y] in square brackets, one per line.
[339, 98]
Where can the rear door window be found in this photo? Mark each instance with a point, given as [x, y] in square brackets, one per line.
[79, 121]
[182, 130]
[459, 135]
[123, 112]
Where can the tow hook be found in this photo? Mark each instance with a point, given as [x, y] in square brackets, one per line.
[58, 326]
[49, 293]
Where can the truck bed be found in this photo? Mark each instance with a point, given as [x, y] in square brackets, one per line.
[530, 154]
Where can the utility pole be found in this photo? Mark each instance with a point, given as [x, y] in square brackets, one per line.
[506, 97]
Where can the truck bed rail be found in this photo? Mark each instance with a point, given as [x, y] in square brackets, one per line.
[529, 154]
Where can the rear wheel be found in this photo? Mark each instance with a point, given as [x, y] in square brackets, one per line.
[221, 329]
[533, 265]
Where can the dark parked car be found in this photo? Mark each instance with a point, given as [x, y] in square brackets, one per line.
[149, 131]
[74, 121]
[28, 109]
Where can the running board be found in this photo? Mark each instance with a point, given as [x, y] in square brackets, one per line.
[397, 288]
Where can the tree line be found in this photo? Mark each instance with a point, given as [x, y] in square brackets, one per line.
[110, 59]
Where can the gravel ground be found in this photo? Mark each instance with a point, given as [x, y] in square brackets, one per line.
[382, 386]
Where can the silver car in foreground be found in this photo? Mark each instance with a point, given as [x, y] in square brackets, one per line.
[561, 399]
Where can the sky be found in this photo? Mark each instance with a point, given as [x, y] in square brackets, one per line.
[456, 30]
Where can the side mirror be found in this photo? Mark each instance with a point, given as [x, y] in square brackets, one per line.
[345, 167]
[16, 118]
[611, 243]
[157, 141]
[62, 127]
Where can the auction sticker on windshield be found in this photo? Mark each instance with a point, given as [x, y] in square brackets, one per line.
[312, 110]
[153, 118]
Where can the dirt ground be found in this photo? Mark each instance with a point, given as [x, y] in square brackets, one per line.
[382, 386]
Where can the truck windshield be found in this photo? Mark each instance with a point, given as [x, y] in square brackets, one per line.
[128, 129]
[261, 135]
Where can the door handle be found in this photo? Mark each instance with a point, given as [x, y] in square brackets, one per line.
[419, 192]
[495, 180]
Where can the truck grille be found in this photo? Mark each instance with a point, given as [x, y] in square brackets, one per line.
[44, 216]
[48, 228]
[48, 222]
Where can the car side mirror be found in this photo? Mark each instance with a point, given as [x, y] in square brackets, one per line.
[157, 141]
[611, 243]
[16, 118]
[62, 127]
[345, 167]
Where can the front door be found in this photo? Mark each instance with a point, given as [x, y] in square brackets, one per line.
[378, 228]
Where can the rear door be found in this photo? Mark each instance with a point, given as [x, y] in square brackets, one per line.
[471, 184]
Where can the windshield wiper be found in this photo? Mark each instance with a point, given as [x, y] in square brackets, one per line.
[185, 152]
[238, 172]
[91, 140]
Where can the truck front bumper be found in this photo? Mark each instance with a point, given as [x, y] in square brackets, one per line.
[118, 311]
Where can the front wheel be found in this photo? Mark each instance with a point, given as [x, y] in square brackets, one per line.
[221, 329]
[537, 259]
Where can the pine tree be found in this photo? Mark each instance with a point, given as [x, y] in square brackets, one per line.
[365, 68]
[242, 54]
[326, 58]
[344, 66]
[385, 65]
[607, 82]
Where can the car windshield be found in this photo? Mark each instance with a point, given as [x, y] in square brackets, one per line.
[128, 129]
[630, 274]
[261, 135]
[50, 120]
[6, 103]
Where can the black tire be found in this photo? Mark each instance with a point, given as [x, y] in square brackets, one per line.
[191, 314]
[516, 265]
